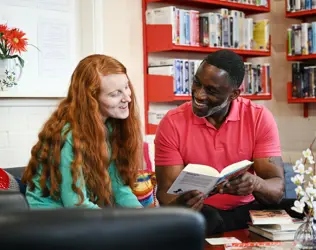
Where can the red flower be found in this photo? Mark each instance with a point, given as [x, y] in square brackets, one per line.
[16, 40]
[3, 28]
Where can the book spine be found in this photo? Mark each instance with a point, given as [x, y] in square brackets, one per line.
[177, 77]
[185, 87]
[181, 77]
[178, 27]
[182, 27]
[314, 37]
[204, 31]
[304, 39]
[187, 27]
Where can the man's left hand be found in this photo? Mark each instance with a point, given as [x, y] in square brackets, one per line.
[243, 185]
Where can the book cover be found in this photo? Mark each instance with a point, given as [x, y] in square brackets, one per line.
[266, 217]
[260, 245]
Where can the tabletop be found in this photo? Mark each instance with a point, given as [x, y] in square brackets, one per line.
[242, 235]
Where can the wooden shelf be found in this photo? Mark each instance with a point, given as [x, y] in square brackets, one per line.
[301, 58]
[159, 39]
[160, 89]
[300, 14]
[247, 8]
[305, 101]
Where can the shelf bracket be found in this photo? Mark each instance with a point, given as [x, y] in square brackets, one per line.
[305, 110]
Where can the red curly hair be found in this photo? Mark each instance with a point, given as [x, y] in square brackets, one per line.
[80, 109]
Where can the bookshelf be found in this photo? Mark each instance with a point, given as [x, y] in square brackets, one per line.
[156, 83]
[157, 38]
[302, 15]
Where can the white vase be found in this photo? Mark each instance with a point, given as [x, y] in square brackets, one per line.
[10, 73]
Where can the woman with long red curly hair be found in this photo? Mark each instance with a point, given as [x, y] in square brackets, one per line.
[90, 149]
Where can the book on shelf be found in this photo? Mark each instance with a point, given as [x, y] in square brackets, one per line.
[260, 245]
[277, 232]
[299, 5]
[301, 39]
[303, 80]
[261, 35]
[182, 71]
[222, 28]
[206, 178]
[268, 217]
[256, 80]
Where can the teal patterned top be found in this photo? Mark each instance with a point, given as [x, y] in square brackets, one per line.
[123, 194]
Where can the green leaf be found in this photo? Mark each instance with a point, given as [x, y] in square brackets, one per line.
[21, 61]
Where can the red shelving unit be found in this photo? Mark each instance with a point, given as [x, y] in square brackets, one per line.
[247, 8]
[158, 38]
[301, 58]
[152, 129]
[301, 14]
[156, 83]
[305, 101]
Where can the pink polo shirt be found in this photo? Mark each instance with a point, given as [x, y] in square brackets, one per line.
[248, 132]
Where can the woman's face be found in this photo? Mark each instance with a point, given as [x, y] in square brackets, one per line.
[115, 95]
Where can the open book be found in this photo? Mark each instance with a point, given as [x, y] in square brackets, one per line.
[206, 178]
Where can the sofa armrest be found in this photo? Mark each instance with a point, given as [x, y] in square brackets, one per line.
[12, 200]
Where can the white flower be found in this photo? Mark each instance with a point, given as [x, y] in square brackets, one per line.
[311, 192]
[298, 206]
[309, 170]
[304, 199]
[311, 159]
[309, 204]
[300, 169]
[299, 191]
[307, 153]
[298, 179]
[313, 179]
[298, 162]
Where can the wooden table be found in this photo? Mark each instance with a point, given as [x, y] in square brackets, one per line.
[242, 235]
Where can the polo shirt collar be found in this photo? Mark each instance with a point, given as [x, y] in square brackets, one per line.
[232, 116]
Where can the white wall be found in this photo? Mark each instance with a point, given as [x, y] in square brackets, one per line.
[122, 38]
[21, 119]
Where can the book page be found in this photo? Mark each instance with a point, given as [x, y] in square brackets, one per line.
[236, 166]
[201, 169]
[187, 181]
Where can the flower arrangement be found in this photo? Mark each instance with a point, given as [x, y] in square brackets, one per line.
[305, 180]
[12, 43]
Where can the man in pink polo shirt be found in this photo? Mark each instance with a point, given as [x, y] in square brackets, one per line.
[219, 128]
